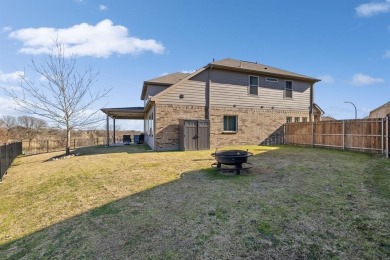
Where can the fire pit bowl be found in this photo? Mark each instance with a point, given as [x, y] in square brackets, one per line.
[232, 157]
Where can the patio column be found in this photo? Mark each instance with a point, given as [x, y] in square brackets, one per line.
[113, 131]
[108, 130]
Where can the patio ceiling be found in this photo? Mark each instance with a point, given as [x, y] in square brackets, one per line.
[125, 112]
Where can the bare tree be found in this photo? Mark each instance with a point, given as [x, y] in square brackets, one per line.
[9, 124]
[63, 95]
[30, 126]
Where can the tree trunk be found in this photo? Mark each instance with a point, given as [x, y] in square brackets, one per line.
[67, 141]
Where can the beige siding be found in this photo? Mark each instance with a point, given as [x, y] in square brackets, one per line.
[381, 112]
[153, 90]
[192, 90]
[231, 88]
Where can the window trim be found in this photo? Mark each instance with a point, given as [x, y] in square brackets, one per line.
[285, 89]
[249, 85]
[223, 124]
[273, 80]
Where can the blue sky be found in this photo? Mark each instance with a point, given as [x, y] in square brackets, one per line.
[344, 43]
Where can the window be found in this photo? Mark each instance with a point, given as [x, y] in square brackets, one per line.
[230, 123]
[253, 85]
[288, 119]
[271, 79]
[304, 119]
[296, 119]
[288, 89]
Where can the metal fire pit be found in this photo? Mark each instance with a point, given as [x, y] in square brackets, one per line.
[236, 158]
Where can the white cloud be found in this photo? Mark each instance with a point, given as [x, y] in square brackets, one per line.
[326, 78]
[8, 107]
[362, 79]
[103, 8]
[373, 8]
[100, 40]
[387, 54]
[6, 29]
[9, 77]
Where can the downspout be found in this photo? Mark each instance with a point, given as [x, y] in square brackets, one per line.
[311, 102]
[208, 85]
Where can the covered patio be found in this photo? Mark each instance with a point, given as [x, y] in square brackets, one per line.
[130, 113]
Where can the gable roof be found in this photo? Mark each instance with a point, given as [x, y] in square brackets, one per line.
[246, 66]
[166, 80]
[384, 105]
[318, 108]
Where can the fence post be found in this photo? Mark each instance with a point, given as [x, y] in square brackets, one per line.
[382, 139]
[47, 145]
[312, 133]
[387, 137]
[74, 144]
[284, 133]
[343, 134]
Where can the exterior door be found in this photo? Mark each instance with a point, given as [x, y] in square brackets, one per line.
[191, 135]
[203, 135]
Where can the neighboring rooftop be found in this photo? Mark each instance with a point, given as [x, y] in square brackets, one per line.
[257, 68]
[384, 105]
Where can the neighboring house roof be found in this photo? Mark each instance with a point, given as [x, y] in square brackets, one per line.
[327, 118]
[317, 107]
[382, 106]
[166, 80]
[253, 67]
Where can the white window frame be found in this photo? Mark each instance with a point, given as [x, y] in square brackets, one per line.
[285, 89]
[223, 124]
[269, 79]
[249, 85]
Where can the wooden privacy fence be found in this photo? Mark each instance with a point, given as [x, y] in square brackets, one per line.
[368, 135]
[8, 152]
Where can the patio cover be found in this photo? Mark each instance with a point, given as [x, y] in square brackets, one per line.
[125, 112]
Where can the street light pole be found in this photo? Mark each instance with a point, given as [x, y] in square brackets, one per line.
[353, 106]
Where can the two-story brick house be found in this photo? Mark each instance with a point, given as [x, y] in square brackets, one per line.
[244, 103]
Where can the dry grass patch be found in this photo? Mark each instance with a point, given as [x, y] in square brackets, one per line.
[121, 203]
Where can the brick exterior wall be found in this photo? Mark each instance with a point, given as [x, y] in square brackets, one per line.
[167, 124]
[255, 126]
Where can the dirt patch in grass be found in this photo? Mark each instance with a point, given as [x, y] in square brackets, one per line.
[295, 203]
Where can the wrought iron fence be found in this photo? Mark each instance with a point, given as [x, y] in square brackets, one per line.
[8, 152]
[47, 146]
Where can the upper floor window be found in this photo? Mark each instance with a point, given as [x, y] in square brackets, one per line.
[296, 119]
[288, 119]
[253, 85]
[304, 119]
[271, 79]
[230, 123]
[288, 89]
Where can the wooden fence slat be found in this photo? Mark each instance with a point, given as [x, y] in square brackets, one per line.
[359, 134]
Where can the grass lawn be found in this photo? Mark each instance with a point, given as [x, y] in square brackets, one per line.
[126, 202]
